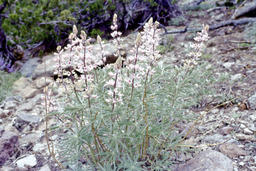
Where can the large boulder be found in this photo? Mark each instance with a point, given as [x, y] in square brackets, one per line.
[209, 160]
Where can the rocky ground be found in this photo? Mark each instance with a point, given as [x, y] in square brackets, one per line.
[223, 138]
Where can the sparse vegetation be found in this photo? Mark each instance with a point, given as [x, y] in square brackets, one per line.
[6, 81]
[123, 118]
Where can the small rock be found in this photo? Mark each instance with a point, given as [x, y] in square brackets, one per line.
[241, 163]
[39, 147]
[252, 117]
[252, 127]
[29, 118]
[232, 150]
[24, 88]
[235, 109]
[247, 131]
[189, 131]
[201, 128]
[26, 107]
[8, 145]
[26, 122]
[33, 137]
[226, 130]
[228, 65]
[10, 105]
[236, 77]
[42, 82]
[216, 138]
[215, 111]
[27, 162]
[242, 126]
[209, 160]
[45, 168]
[5, 113]
[252, 102]
[244, 137]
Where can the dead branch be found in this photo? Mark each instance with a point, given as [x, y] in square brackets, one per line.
[248, 8]
[216, 26]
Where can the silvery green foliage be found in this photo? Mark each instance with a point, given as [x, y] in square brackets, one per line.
[123, 118]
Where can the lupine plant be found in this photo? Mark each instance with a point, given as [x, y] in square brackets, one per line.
[123, 116]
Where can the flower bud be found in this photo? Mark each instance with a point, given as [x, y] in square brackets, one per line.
[75, 31]
[58, 48]
[206, 27]
[99, 39]
[71, 36]
[156, 24]
[138, 40]
[150, 21]
[115, 18]
[83, 35]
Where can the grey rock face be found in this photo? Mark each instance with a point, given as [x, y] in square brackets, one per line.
[209, 160]
[28, 68]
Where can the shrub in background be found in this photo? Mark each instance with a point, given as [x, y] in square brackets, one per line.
[123, 116]
[32, 22]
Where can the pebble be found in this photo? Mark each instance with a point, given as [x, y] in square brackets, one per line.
[24, 88]
[254, 158]
[10, 105]
[241, 163]
[45, 168]
[29, 118]
[252, 117]
[232, 150]
[252, 127]
[42, 82]
[215, 111]
[242, 126]
[226, 130]
[216, 138]
[243, 137]
[236, 77]
[39, 147]
[228, 65]
[247, 131]
[252, 102]
[27, 162]
[5, 113]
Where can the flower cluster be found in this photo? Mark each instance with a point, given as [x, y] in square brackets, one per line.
[140, 65]
[114, 84]
[76, 69]
[197, 47]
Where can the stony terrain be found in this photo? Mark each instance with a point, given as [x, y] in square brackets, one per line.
[223, 137]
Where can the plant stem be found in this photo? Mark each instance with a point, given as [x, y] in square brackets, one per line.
[146, 140]
[135, 62]
[51, 152]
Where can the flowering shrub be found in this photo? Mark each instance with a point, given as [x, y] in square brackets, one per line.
[123, 116]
